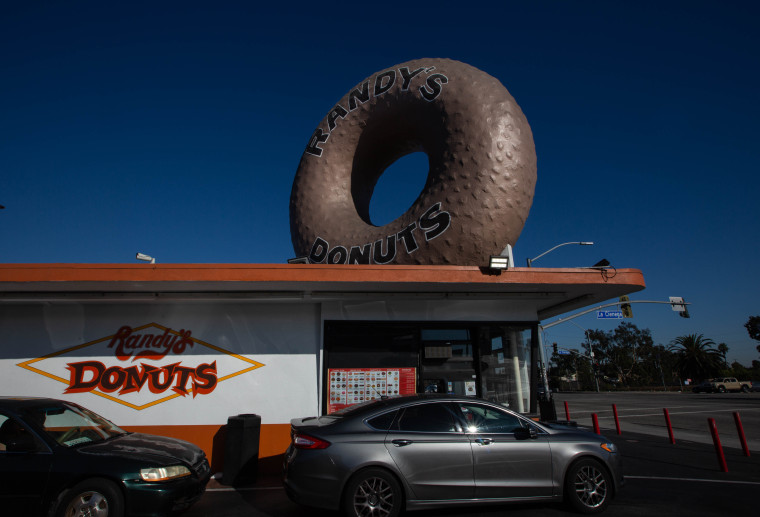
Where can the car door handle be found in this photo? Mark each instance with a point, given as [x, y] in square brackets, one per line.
[484, 441]
[401, 443]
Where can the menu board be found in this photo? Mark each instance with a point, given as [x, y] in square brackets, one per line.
[349, 386]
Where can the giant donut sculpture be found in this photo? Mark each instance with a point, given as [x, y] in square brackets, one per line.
[480, 182]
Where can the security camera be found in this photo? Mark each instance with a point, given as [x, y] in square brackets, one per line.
[146, 258]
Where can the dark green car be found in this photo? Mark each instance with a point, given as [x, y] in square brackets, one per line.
[60, 459]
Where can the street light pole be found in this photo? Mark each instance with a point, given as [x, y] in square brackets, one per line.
[582, 243]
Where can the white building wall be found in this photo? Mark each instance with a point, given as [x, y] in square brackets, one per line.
[276, 345]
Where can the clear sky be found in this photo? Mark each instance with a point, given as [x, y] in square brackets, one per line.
[175, 129]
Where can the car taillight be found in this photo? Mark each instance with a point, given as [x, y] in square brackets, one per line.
[304, 441]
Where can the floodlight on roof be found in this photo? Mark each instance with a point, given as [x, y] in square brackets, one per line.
[145, 258]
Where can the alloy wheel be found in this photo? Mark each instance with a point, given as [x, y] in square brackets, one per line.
[591, 486]
[88, 504]
[374, 497]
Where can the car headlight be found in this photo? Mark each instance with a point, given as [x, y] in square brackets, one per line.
[609, 447]
[164, 473]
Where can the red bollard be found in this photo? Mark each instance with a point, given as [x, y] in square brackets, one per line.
[718, 447]
[617, 420]
[596, 423]
[740, 430]
[670, 426]
[567, 412]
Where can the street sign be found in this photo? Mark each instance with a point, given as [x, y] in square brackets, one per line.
[609, 315]
[563, 352]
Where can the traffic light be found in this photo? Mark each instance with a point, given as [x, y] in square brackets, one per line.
[555, 348]
[679, 305]
[626, 307]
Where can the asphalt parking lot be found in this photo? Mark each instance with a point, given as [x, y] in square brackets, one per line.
[662, 479]
[642, 412]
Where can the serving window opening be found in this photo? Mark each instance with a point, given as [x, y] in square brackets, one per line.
[366, 360]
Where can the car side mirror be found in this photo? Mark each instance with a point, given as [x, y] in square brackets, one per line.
[526, 433]
[22, 443]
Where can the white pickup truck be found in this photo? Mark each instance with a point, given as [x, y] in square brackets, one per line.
[722, 385]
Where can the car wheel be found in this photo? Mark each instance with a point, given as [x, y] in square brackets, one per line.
[92, 498]
[373, 493]
[588, 487]
[745, 388]
[721, 389]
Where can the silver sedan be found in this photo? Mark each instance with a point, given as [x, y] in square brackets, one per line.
[423, 451]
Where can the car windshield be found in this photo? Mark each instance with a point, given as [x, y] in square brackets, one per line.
[71, 425]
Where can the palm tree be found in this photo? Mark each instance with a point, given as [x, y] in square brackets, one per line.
[696, 357]
[723, 349]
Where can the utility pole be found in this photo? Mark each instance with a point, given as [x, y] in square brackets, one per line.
[593, 361]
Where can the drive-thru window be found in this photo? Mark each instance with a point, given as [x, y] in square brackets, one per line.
[484, 359]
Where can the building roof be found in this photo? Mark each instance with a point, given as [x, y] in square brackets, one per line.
[552, 291]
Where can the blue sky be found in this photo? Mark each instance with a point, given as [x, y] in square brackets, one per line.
[175, 129]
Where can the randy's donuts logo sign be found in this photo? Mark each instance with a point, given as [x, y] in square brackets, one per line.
[150, 365]
[131, 346]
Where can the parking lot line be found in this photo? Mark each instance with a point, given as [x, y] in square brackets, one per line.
[724, 481]
[244, 489]
[681, 412]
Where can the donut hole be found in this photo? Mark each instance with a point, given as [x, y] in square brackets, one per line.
[400, 133]
[398, 187]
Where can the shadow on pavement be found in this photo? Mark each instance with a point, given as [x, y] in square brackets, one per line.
[647, 455]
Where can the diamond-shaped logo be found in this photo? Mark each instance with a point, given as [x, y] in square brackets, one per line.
[143, 366]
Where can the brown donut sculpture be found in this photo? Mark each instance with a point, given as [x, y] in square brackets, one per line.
[480, 183]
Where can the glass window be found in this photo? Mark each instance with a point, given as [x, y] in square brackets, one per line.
[451, 342]
[485, 419]
[382, 422]
[505, 358]
[14, 435]
[368, 345]
[494, 361]
[427, 418]
[447, 361]
[6, 427]
[71, 425]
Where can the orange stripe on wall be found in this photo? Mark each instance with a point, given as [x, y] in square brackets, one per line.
[274, 439]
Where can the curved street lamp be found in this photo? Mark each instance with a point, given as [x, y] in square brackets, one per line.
[582, 243]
